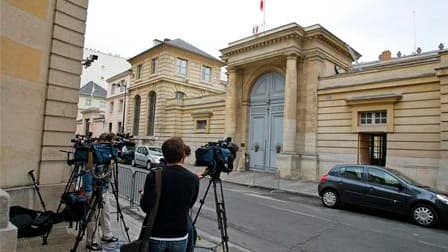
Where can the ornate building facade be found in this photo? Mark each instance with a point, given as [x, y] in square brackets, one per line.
[298, 104]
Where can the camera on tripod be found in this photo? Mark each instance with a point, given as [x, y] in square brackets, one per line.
[217, 156]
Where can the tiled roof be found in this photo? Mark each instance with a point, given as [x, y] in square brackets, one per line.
[93, 89]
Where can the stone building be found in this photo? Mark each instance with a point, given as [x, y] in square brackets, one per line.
[300, 106]
[41, 53]
[175, 89]
[91, 110]
[116, 101]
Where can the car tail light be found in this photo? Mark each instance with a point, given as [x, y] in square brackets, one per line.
[324, 178]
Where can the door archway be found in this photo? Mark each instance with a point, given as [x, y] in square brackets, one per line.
[266, 121]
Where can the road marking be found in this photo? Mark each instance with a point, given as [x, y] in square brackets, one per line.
[433, 245]
[264, 197]
[300, 213]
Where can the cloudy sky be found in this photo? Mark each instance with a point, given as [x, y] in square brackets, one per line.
[370, 26]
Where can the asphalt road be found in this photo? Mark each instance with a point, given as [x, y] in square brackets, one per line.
[260, 220]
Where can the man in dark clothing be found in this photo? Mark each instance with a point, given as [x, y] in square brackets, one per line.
[179, 193]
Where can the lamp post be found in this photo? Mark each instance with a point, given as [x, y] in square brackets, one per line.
[124, 105]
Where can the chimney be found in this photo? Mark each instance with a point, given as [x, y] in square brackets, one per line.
[385, 55]
[156, 42]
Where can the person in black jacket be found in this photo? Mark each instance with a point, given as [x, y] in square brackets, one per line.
[179, 193]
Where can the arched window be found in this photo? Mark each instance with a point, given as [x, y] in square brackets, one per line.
[180, 95]
[152, 99]
[136, 114]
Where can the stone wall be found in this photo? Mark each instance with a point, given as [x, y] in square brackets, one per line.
[39, 92]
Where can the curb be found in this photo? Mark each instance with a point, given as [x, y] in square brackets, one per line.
[308, 195]
[217, 240]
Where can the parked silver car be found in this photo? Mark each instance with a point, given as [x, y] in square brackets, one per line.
[147, 156]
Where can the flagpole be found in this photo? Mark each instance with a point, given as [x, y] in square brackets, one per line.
[264, 16]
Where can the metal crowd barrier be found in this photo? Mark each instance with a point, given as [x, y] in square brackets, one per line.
[130, 183]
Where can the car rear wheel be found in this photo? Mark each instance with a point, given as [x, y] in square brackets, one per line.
[330, 198]
[148, 165]
[424, 215]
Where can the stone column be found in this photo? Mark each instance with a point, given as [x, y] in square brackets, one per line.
[287, 160]
[231, 104]
[442, 73]
[290, 107]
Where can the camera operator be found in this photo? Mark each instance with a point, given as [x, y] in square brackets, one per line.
[104, 218]
[179, 193]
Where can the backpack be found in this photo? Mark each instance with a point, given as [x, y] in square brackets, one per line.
[30, 222]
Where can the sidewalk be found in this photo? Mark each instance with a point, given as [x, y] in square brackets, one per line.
[62, 238]
[267, 181]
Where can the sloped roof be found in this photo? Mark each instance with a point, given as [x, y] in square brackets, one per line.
[93, 89]
[181, 44]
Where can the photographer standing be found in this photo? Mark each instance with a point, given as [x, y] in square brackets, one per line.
[179, 193]
[104, 217]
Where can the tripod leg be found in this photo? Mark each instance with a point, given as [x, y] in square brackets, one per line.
[202, 201]
[221, 214]
[83, 224]
[119, 212]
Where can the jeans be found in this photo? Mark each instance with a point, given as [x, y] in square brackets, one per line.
[168, 246]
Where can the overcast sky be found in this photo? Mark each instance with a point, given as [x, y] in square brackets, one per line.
[369, 26]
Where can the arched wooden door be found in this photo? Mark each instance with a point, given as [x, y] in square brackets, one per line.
[266, 121]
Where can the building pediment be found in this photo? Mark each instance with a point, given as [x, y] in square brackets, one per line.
[291, 38]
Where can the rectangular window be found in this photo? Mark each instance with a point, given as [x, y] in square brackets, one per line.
[201, 124]
[373, 118]
[351, 172]
[206, 74]
[139, 71]
[120, 108]
[119, 127]
[154, 66]
[88, 101]
[111, 107]
[181, 65]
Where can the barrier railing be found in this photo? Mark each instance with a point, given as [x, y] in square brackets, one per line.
[130, 184]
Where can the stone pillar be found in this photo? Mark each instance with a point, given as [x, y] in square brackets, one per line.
[442, 73]
[8, 232]
[231, 104]
[289, 111]
[287, 161]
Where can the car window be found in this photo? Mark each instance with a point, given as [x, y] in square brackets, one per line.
[145, 151]
[334, 171]
[379, 177]
[155, 149]
[351, 172]
[139, 149]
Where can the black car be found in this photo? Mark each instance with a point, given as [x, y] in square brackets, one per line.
[384, 189]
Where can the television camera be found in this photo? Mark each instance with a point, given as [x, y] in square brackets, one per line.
[217, 156]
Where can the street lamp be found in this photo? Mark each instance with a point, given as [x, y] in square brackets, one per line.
[123, 84]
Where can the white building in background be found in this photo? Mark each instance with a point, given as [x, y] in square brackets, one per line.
[117, 101]
[92, 97]
[91, 108]
[106, 66]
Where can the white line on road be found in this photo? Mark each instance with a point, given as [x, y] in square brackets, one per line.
[299, 213]
[433, 245]
[264, 197]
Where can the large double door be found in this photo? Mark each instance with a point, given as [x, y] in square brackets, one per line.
[266, 122]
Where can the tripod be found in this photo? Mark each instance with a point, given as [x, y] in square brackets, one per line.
[96, 206]
[220, 210]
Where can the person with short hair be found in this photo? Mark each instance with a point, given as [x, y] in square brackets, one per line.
[180, 189]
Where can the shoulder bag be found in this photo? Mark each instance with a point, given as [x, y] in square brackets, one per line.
[142, 244]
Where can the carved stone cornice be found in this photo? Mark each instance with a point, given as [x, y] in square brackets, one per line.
[260, 44]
